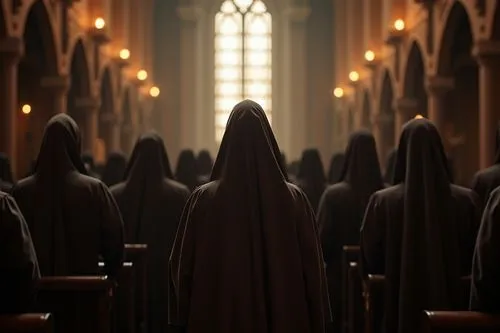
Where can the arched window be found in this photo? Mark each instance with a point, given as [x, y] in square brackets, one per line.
[243, 57]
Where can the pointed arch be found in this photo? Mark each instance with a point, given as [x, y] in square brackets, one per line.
[80, 70]
[386, 122]
[414, 79]
[457, 39]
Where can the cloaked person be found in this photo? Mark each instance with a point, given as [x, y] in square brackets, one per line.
[186, 172]
[151, 204]
[18, 262]
[335, 170]
[247, 257]
[420, 233]
[73, 218]
[6, 179]
[114, 170]
[485, 181]
[342, 208]
[204, 165]
[311, 177]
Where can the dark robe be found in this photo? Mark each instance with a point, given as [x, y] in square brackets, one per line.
[6, 179]
[151, 204]
[88, 162]
[335, 170]
[73, 218]
[311, 177]
[186, 173]
[389, 168]
[485, 288]
[18, 264]
[485, 181]
[420, 233]
[204, 164]
[114, 170]
[342, 207]
[247, 257]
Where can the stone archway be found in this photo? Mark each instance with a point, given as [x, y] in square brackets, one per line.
[37, 79]
[127, 128]
[386, 121]
[366, 112]
[107, 117]
[79, 103]
[414, 82]
[460, 111]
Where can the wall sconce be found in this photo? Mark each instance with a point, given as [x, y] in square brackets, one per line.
[369, 56]
[371, 60]
[396, 33]
[26, 109]
[99, 31]
[338, 92]
[419, 116]
[123, 58]
[354, 78]
[140, 78]
[154, 91]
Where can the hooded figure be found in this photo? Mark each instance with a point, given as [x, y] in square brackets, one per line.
[151, 204]
[186, 172]
[419, 233]
[114, 169]
[88, 162]
[204, 164]
[485, 181]
[246, 257]
[342, 208]
[6, 179]
[18, 262]
[311, 177]
[336, 165]
[389, 168]
[73, 218]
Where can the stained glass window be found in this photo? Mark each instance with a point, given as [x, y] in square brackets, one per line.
[243, 30]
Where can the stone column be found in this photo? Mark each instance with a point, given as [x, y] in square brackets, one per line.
[437, 89]
[377, 127]
[297, 92]
[191, 83]
[89, 107]
[488, 56]
[406, 109]
[58, 87]
[111, 122]
[11, 50]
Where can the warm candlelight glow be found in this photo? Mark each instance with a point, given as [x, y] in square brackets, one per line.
[419, 116]
[99, 23]
[399, 25]
[338, 92]
[124, 54]
[154, 91]
[26, 109]
[142, 75]
[354, 76]
[369, 55]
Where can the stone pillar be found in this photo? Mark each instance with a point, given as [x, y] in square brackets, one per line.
[191, 82]
[297, 92]
[89, 107]
[58, 87]
[11, 50]
[111, 122]
[406, 109]
[437, 89]
[377, 130]
[488, 56]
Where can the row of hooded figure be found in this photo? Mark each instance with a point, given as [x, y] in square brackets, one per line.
[245, 252]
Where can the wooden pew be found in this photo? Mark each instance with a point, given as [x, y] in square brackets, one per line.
[26, 323]
[373, 287]
[460, 322]
[78, 304]
[124, 314]
[350, 255]
[137, 254]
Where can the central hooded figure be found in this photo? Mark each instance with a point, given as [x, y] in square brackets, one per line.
[246, 257]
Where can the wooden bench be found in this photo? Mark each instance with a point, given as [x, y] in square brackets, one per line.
[350, 254]
[460, 322]
[137, 254]
[124, 314]
[373, 292]
[26, 323]
[78, 304]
